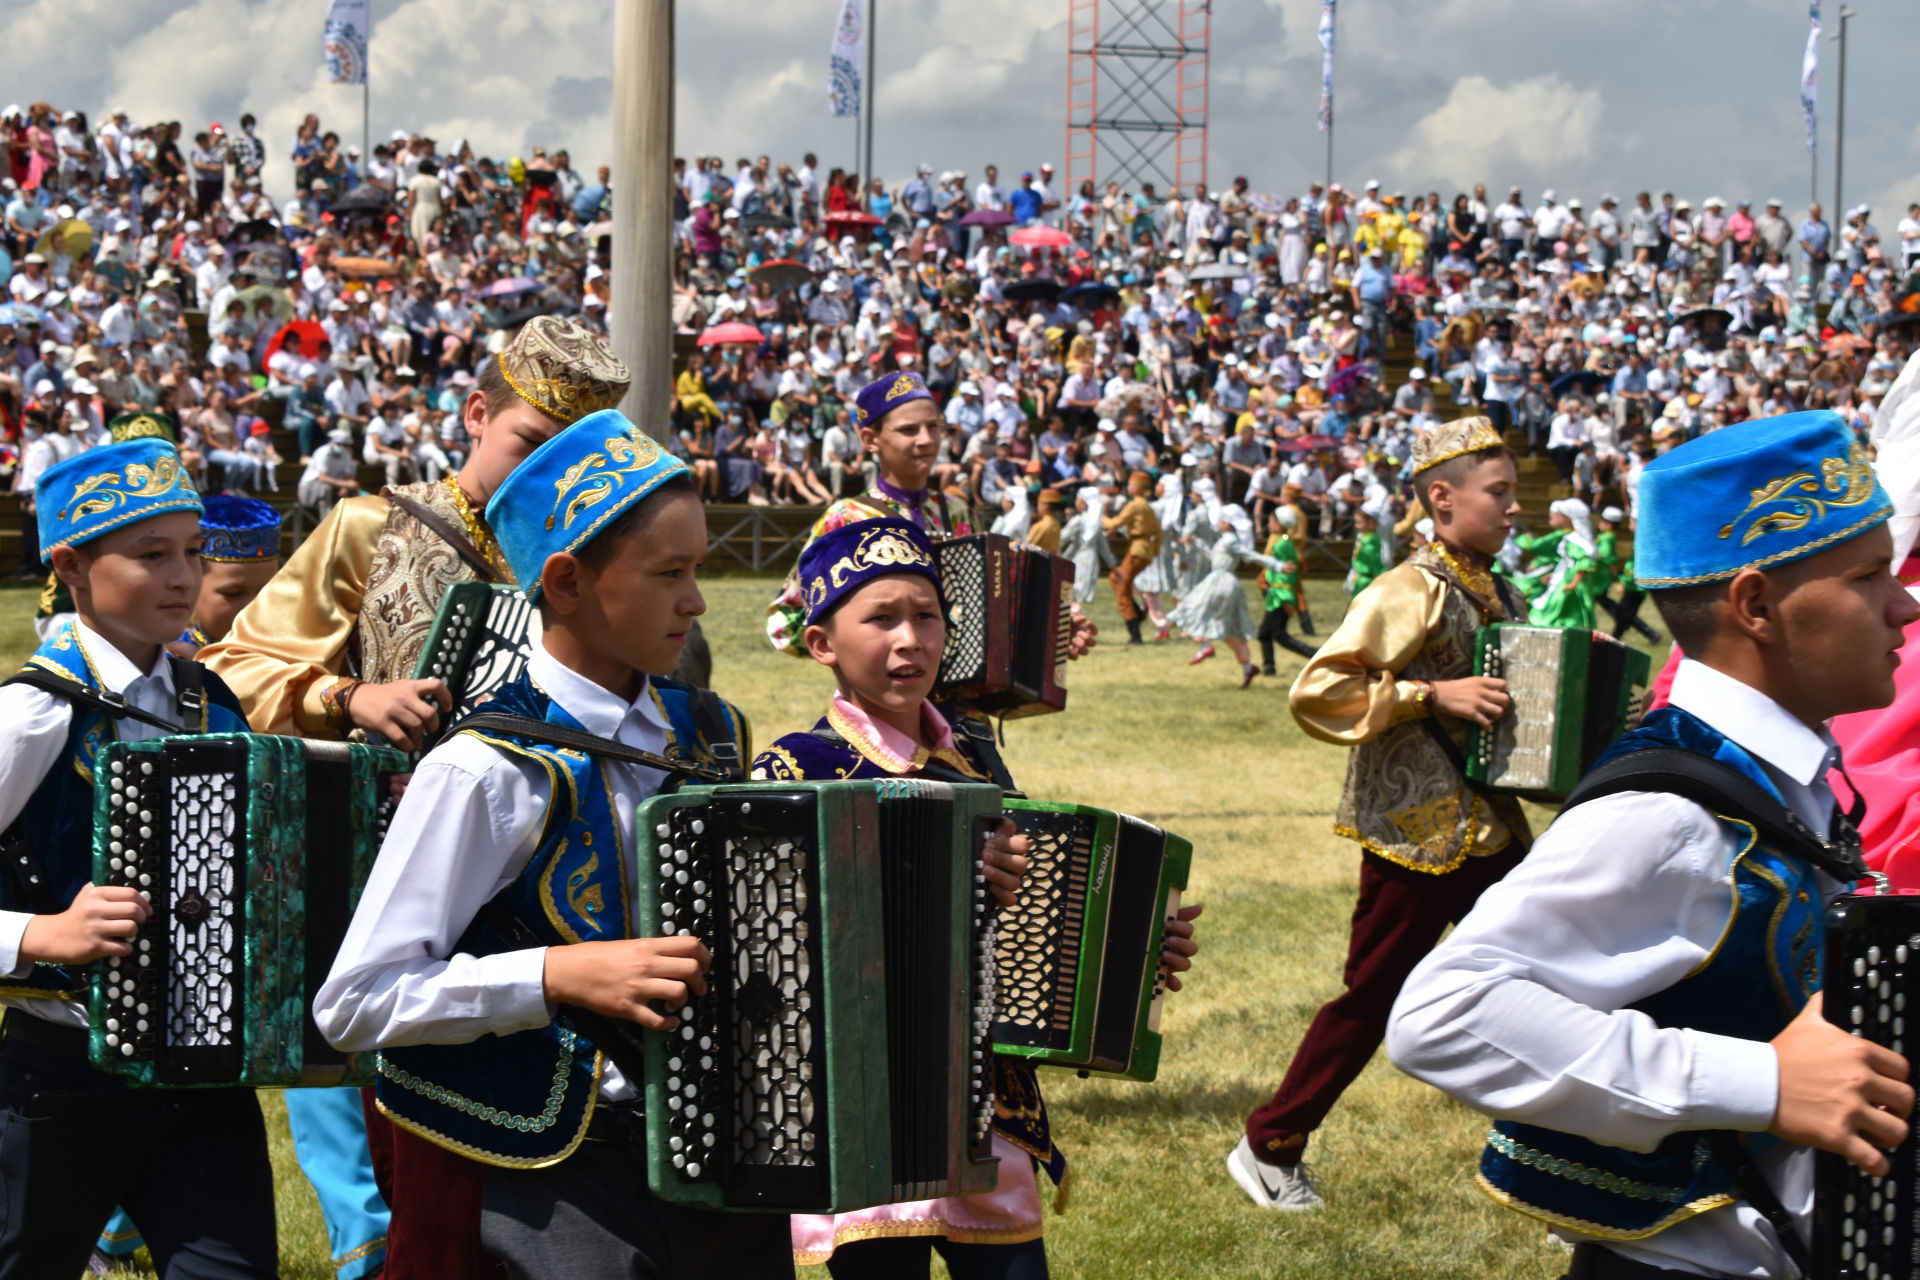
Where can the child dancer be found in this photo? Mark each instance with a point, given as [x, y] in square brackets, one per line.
[263, 457]
[1217, 608]
[1285, 592]
[1567, 598]
[1161, 575]
[1367, 563]
[1395, 683]
[876, 619]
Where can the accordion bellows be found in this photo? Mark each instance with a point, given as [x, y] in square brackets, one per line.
[252, 851]
[480, 641]
[840, 1057]
[1864, 1226]
[1079, 956]
[1009, 621]
[1574, 691]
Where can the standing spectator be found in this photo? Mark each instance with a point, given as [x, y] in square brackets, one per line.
[209, 161]
[1816, 244]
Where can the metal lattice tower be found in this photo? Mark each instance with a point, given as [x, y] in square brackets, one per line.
[1137, 92]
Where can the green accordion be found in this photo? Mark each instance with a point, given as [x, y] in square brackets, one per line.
[252, 851]
[1079, 957]
[840, 1058]
[1574, 691]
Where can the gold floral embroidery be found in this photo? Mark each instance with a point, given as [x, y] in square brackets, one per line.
[592, 480]
[113, 490]
[1848, 480]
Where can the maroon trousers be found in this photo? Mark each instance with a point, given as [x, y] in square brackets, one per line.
[1398, 919]
[435, 1199]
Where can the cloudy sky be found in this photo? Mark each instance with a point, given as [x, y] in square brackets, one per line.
[1699, 96]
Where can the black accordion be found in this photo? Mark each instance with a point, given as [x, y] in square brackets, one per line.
[252, 851]
[479, 642]
[1009, 620]
[841, 1057]
[1079, 956]
[1867, 1228]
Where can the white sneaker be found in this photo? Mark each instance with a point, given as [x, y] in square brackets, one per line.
[1286, 1188]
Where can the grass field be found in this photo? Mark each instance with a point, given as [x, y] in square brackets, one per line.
[1183, 747]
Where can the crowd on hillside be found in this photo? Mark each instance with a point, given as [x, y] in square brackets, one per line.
[1073, 337]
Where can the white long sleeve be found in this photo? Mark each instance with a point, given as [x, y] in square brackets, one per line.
[466, 828]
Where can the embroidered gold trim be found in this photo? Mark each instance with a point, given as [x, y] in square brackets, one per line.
[1587, 1175]
[487, 1157]
[902, 1228]
[557, 780]
[1851, 477]
[1733, 912]
[477, 531]
[1778, 557]
[1685, 1211]
[592, 480]
[354, 1255]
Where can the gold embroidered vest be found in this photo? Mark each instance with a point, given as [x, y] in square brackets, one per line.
[1405, 798]
[412, 568]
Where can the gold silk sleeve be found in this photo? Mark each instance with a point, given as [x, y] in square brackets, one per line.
[1350, 692]
[291, 641]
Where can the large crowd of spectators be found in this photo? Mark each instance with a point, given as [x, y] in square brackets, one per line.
[1072, 337]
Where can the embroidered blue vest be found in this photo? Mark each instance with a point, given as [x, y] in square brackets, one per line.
[523, 1100]
[1766, 966]
[57, 821]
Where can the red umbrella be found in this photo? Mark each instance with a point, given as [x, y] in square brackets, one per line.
[311, 336]
[1041, 238]
[852, 217]
[731, 334]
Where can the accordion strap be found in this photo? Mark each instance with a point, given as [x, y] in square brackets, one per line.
[461, 545]
[189, 692]
[554, 735]
[1723, 789]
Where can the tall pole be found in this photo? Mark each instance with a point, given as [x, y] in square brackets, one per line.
[641, 275]
[1838, 216]
[1329, 183]
[366, 101]
[866, 109]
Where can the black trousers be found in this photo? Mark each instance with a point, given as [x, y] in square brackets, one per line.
[189, 1165]
[911, 1258]
[591, 1217]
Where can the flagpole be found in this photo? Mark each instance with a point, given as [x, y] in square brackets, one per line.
[866, 110]
[1838, 217]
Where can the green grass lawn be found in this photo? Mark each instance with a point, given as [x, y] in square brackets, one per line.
[1184, 747]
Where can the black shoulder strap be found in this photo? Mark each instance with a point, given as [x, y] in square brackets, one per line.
[710, 718]
[462, 546]
[1725, 790]
[116, 706]
[555, 735]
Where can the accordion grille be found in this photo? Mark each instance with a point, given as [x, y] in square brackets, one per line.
[769, 948]
[963, 581]
[1040, 939]
[1519, 752]
[206, 870]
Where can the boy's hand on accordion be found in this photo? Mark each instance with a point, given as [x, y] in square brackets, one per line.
[1177, 947]
[1840, 1093]
[403, 712]
[1004, 861]
[1082, 634]
[1481, 699]
[101, 922]
[625, 979]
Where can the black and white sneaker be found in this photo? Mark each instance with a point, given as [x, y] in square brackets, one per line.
[1286, 1188]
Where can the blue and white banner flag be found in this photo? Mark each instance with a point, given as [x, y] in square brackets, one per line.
[1810, 78]
[346, 41]
[849, 55]
[1326, 65]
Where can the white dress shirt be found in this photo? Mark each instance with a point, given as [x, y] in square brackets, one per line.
[1521, 1013]
[35, 740]
[470, 820]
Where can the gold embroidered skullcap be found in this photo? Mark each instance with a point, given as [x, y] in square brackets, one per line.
[563, 370]
[1455, 439]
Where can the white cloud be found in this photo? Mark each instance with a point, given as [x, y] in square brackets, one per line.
[1542, 129]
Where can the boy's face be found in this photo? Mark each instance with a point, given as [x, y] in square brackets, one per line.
[906, 442]
[1842, 622]
[1477, 511]
[137, 586]
[642, 600]
[884, 641]
[501, 441]
[225, 589]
